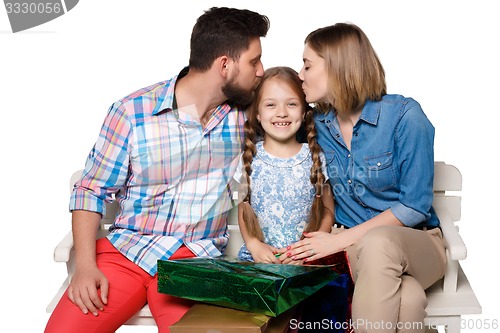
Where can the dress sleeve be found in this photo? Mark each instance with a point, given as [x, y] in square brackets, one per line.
[324, 169]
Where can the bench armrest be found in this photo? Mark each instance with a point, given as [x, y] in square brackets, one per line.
[62, 252]
[453, 241]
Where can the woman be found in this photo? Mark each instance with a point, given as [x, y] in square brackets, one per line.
[379, 155]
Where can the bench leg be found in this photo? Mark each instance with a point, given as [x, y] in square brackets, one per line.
[454, 324]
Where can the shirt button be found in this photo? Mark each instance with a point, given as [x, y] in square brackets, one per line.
[349, 156]
[379, 164]
[349, 181]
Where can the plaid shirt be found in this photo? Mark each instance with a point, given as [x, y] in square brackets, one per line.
[170, 176]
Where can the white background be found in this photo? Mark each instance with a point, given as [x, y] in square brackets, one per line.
[57, 81]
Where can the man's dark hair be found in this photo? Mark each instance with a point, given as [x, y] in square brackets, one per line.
[224, 31]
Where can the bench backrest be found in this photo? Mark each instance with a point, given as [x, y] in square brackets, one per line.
[447, 178]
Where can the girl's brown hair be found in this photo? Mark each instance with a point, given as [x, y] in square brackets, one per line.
[255, 132]
[355, 73]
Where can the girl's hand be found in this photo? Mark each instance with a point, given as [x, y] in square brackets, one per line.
[262, 253]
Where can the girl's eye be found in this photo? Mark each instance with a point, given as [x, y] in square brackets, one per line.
[292, 104]
[269, 105]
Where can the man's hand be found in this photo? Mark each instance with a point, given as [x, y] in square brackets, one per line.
[89, 290]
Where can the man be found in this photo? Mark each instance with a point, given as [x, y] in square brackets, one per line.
[166, 153]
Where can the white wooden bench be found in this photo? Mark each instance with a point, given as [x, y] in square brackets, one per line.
[449, 298]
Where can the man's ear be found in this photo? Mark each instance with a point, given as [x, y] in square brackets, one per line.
[223, 65]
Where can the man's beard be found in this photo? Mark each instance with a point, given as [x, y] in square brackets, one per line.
[237, 95]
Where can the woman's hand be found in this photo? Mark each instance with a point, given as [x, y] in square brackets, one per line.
[284, 259]
[314, 246]
[262, 253]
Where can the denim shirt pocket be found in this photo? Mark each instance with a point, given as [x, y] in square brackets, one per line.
[333, 170]
[380, 171]
[331, 167]
[329, 155]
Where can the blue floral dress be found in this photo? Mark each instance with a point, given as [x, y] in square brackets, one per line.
[282, 195]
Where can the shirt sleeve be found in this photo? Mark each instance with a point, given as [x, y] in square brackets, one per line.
[107, 164]
[239, 170]
[415, 142]
[324, 169]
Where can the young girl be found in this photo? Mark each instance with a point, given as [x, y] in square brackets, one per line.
[282, 180]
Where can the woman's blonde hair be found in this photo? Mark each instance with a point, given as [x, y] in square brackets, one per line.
[355, 73]
[255, 132]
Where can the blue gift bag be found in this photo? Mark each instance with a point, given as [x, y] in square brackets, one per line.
[328, 310]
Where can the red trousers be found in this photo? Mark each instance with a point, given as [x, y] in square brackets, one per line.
[130, 288]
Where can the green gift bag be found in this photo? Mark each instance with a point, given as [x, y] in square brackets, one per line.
[268, 289]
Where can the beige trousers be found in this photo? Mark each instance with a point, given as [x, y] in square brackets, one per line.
[392, 266]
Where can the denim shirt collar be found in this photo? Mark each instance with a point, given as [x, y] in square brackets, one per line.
[370, 113]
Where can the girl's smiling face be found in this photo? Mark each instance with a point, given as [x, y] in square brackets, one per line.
[280, 112]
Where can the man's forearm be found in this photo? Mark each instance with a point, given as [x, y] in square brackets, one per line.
[85, 225]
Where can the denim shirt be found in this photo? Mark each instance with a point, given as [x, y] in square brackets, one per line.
[390, 164]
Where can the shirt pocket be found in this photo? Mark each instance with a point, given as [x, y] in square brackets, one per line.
[334, 172]
[330, 165]
[329, 156]
[380, 171]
